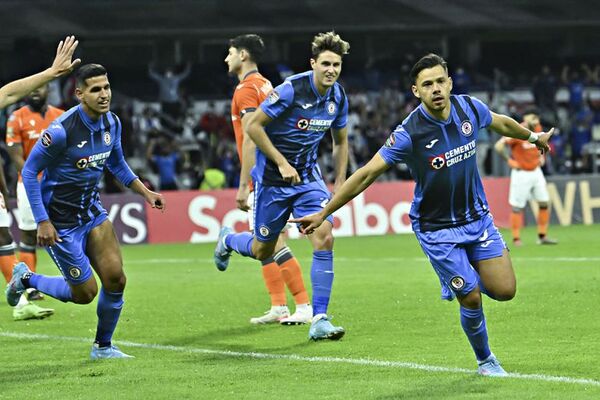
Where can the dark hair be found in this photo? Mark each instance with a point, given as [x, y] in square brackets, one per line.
[329, 41]
[252, 43]
[531, 110]
[428, 61]
[89, 71]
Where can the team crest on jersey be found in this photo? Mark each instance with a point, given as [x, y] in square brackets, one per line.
[331, 108]
[303, 124]
[107, 138]
[457, 282]
[273, 97]
[264, 231]
[466, 127]
[390, 141]
[74, 272]
[46, 139]
[437, 162]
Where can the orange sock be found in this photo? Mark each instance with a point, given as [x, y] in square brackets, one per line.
[543, 219]
[274, 282]
[28, 256]
[292, 275]
[7, 261]
[515, 224]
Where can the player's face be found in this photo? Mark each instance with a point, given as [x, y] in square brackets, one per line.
[38, 97]
[432, 87]
[326, 69]
[233, 61]
[95, 95]
[532, 121]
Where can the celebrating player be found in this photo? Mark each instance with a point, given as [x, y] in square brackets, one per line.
[449, 213]
[287, 129]
[72, 224]
[526, 180]
[282, 268]
[9, 94]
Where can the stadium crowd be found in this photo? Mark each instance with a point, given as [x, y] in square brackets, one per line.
[176, 142]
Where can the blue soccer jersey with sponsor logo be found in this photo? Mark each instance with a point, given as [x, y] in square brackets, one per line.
[300, 117]
[441, 158]
[72, 153]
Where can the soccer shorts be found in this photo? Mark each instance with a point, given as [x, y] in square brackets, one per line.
[26, 219]
[273, 206]
[452, 251]
[4, 216]
[69, 255]
[525, 185]
[251, 214]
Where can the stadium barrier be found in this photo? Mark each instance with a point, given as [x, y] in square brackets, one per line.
[194, 216]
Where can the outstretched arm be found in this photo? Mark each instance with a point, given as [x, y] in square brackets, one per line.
[506, 126]
[62, 65]
[355, 185]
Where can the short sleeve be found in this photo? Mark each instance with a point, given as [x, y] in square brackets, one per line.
[342, 118]
[279, 100]
[483, 111]
[13, 129]
[247, 100]
[397, 147]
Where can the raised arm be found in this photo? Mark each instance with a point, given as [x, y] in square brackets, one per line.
[62, 65]
[506, 126]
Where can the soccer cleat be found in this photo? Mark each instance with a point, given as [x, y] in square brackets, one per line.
[303, 315]
[101, 353]
[274, 315]
[222, 253]
[321, 329]
[546, 240]
[34, 294]
[15, 287]
[491, 367]
[517, 242]
[31, 311]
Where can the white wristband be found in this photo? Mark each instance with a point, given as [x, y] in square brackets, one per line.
[533, 137]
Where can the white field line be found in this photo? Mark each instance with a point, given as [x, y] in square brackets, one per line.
[356, 260]
[367, 362]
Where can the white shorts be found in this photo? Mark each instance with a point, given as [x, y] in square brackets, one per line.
[26, 219]
[4, 217]
[251, 205]
[527, 185]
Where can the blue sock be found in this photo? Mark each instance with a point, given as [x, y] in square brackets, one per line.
[473, 323]
[241, 243]
[321, 276]
[54, 286]
[108, 310]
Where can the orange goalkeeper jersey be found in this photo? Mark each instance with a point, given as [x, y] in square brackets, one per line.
[25, 126]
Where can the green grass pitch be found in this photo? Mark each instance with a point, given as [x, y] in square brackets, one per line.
[187, 324]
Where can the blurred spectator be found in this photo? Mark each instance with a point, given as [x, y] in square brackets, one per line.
[581, 134]
[544, 90]
[165, 159]
[461, 81]
[168, 84]
[214, 178]
[576, 85]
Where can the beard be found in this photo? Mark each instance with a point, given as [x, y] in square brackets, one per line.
[35, 104]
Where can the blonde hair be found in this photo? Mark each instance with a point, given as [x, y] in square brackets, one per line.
[329, 41]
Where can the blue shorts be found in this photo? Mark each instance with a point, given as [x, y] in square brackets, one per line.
[452, 252]
[69, 255]
[273, 206]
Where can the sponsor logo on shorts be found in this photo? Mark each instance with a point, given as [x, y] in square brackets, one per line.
[466, 127]
[457, 282]
[75, 272]
[264, 231]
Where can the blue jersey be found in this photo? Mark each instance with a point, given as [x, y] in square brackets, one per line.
[300, 117]
[441, 158]
[72, 152]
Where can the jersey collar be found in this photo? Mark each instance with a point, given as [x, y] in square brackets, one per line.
[90, 123]
[315, 91]
[430, 118]
[254, 71]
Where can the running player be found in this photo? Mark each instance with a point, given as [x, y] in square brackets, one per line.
[526, 180]
[72, 224]
[10, 94]
[287, 129]
[282, 268]
[450, 215]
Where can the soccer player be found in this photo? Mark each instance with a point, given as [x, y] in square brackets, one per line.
[245, 52]
[72, 224]
[287, 129]
[526, 180]
[449, 213]
[10, 94]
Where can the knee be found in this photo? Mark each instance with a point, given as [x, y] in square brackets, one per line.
[324, 241]
[85, 296]
[116, 282]
[263, 252]
[471, 300]
[5, 237]
[505, 293]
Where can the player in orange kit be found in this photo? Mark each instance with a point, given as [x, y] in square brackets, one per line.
[283, 268]
[23, 129]
[526, 180]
